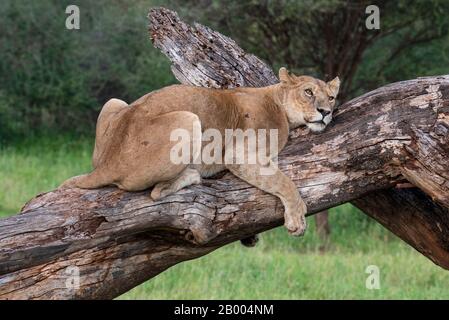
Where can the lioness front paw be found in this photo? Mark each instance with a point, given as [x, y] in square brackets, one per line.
[295, 220]
[296, 227]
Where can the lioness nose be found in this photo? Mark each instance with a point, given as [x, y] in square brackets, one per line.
[323, 112]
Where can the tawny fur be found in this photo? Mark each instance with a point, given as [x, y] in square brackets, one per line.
[132, 147]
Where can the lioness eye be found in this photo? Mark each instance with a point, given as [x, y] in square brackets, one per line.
[331, 98]
[309, 92]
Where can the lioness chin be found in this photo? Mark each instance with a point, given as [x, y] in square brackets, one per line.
[133, 146]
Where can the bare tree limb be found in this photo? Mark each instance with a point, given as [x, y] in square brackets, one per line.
[412, 214]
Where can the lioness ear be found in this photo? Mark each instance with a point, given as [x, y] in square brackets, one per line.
[334, 86]
[284, 76]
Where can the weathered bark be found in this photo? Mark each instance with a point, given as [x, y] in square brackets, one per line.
[119, 239]
[411, 214]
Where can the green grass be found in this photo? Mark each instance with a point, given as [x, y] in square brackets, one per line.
[38, 165]
[279, 267]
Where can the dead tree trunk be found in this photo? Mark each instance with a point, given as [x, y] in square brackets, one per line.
[116, 240]
[322, 226]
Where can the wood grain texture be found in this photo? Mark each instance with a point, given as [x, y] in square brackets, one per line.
[413, 215]
[119, 239]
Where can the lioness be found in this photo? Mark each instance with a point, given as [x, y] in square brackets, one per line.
[133, 147]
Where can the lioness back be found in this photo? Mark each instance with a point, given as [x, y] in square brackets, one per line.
[217, 108]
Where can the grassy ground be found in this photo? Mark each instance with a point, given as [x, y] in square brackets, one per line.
[280, 267]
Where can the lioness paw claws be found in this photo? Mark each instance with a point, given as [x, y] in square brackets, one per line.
[298, 228]
[296, 222]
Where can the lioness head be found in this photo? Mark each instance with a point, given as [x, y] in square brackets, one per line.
[308, 101]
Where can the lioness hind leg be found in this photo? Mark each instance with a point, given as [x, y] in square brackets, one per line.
[109, 115]
[158, 149]
[188, 177]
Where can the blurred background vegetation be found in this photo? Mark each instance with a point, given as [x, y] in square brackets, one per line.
[54, 81]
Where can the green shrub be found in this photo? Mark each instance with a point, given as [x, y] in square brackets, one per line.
[58, 79]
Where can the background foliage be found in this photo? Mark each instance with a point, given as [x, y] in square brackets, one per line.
[54, 79]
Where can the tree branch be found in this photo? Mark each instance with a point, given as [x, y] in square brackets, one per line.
[118, 239]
